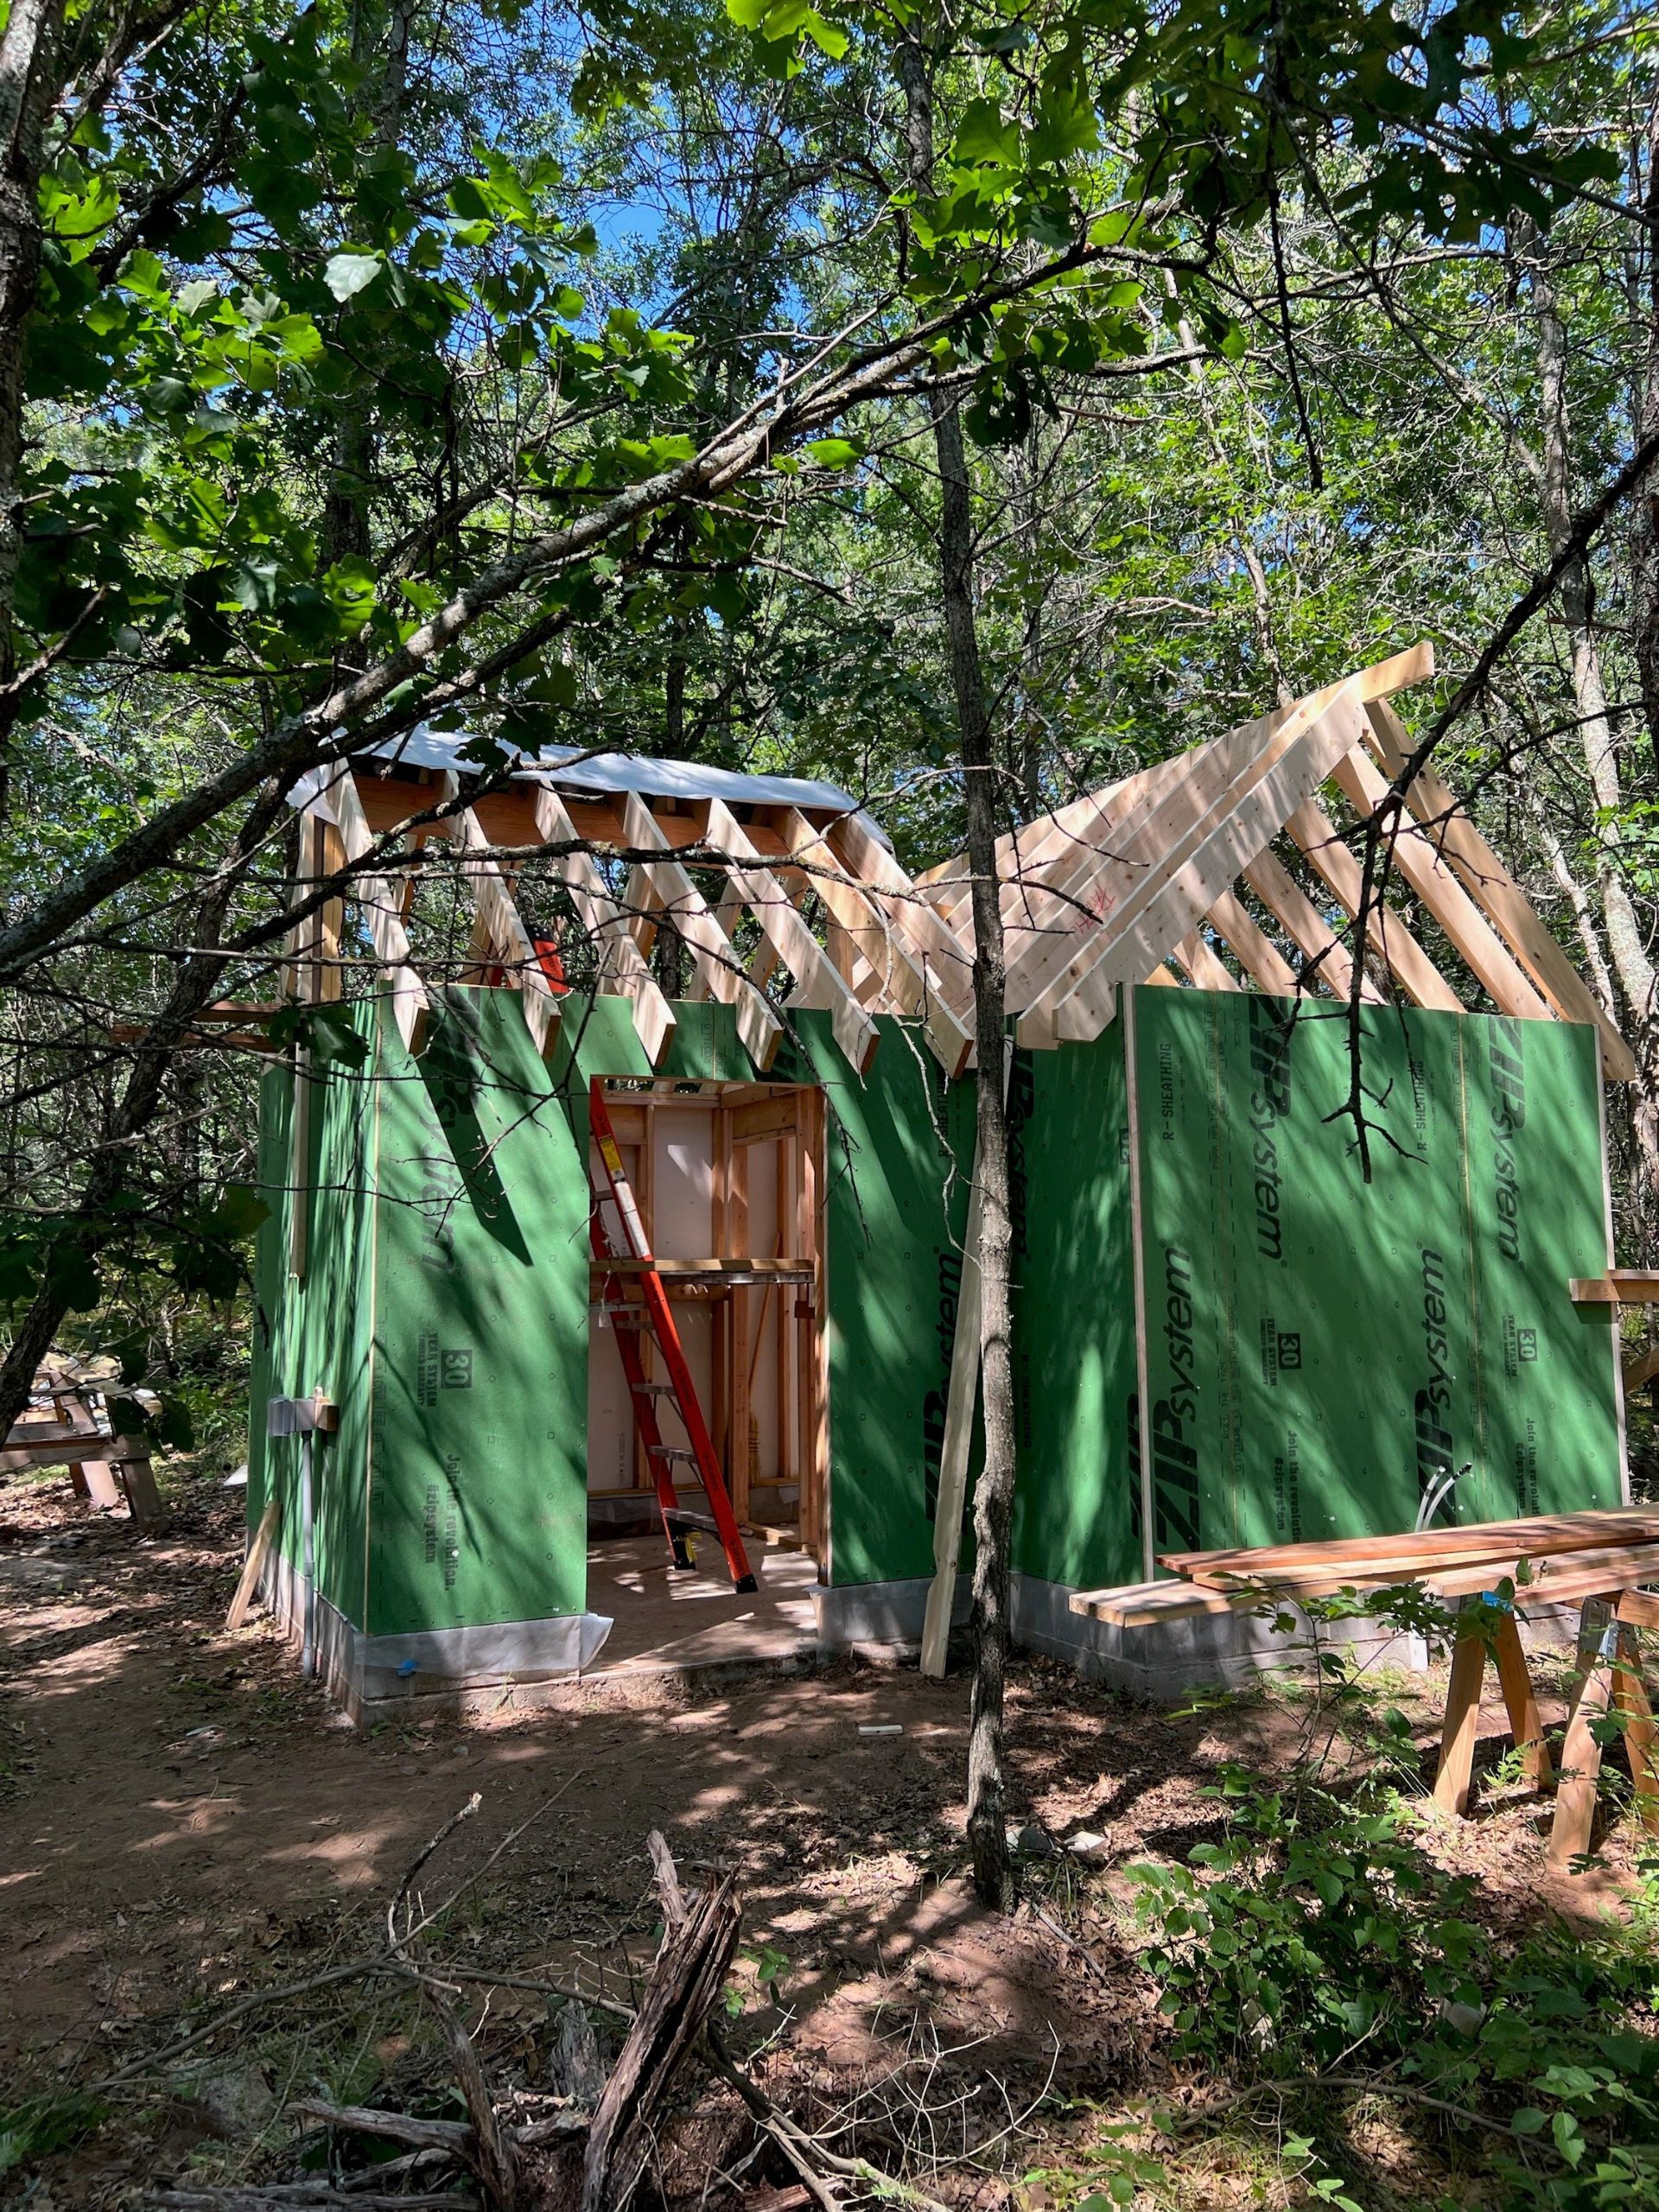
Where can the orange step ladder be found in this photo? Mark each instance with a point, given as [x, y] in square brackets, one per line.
[632, 1314]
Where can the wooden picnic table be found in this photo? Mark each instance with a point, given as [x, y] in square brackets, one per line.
[107, 1467]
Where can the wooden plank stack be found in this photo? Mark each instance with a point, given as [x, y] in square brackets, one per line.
[1554, 1558]
[1595, 1560]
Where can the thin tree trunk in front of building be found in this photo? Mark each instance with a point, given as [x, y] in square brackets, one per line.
[994, 1496]
[1644, 529]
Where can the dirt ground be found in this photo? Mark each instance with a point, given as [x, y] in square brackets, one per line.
[182, 1820]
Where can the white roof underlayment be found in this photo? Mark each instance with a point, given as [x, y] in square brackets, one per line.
[573, 769]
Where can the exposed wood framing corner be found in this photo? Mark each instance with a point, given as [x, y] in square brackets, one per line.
[620, 958]
[685, 908]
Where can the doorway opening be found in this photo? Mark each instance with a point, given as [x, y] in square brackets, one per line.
[728, 1179]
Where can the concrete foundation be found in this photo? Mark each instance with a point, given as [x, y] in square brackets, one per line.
[1226, 1649]
[1161, 1661]
[880, 1612]
[663, 1622]
[371, 1674]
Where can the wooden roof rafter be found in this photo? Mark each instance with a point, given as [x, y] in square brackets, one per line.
[1110, 887]
[718, 964]
[1172, 869]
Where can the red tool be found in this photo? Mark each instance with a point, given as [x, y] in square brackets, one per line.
[552, 967]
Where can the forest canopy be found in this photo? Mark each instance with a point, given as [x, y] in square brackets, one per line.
[613, 377]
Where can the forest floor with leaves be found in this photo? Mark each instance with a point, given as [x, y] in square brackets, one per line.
[186, 1826]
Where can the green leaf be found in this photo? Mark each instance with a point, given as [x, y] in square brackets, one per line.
[835, 453]
[143, 275]
[1569, 2137]
[983, 136]
[239, 1210]
[828, 37]
[349, 587]
[349, 273]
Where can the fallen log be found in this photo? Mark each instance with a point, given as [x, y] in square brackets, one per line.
[699, 1942]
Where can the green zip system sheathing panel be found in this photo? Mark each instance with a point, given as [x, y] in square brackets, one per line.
[313, 1332]
[1076, 1497]
[444, 1308]
[899, 1142]
[1318, 1351]
[479, 1472]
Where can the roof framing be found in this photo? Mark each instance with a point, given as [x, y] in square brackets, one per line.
[1228, 850]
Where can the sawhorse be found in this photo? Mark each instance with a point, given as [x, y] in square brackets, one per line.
[1607, 1687]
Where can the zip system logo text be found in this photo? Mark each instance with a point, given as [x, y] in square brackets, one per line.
[1270, 1036]
[1509, 1118]
[1435, 1400]
[1174, 1459]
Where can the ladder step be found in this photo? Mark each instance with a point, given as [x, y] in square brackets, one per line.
[669, 1451]
[653, 1389]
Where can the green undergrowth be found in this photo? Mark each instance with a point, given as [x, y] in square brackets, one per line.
[1351, 2025]
[1314, 1945]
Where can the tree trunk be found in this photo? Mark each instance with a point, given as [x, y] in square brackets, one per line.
[1625, 941]
[29, 90]
[1027, 747]
[380, 41]
[195, 986]
[1644, 527]
[1624, 935]
[671, 959]
[994, 1498]
[1267, 643]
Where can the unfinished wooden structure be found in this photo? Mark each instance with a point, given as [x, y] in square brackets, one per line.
[841, 988]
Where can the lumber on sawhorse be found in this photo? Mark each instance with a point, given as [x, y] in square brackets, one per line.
[1534, 1535]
